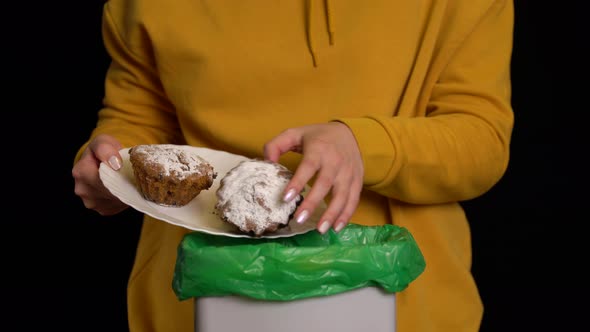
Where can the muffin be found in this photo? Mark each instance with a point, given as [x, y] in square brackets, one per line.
[169, 175]
[250, 197]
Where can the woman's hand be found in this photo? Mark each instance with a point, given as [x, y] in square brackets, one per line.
[331, 154]
[87, 183]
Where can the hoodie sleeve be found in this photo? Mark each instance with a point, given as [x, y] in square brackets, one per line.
[136, 109]
[460, 148]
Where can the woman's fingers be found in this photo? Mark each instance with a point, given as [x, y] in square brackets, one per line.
[332, 159]
[105, 149]
[353, 197]
[337, 204]
[87, 183]
[307, 169]
[345, 197]
[289, 140]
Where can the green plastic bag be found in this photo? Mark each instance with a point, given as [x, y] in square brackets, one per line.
[302, 266]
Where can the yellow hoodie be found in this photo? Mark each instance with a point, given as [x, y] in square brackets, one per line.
[424, 85]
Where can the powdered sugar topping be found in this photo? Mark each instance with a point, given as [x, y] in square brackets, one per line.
[172, 159]
[251, 195]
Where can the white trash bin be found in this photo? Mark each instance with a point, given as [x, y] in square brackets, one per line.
[367, 309]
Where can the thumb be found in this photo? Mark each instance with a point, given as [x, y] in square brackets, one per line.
[105, 148]
[288, 140]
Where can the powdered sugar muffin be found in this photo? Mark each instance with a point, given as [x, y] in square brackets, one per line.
[169, 175]
[250, 197]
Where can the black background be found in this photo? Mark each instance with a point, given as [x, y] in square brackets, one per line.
[65, 268]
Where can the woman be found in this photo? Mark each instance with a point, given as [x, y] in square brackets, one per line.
[397, 111]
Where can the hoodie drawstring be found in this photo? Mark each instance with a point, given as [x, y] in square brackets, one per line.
[329, 21]
[329, 25]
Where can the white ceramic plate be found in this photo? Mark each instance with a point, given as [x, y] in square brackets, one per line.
[199, 214]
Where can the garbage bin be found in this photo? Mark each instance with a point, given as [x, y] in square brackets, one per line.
[343, 281]
[365, 309]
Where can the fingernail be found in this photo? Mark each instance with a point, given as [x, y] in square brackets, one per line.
[289, 195]
[324, 226]
[302, 216]
[115, 163]
[339, 227]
